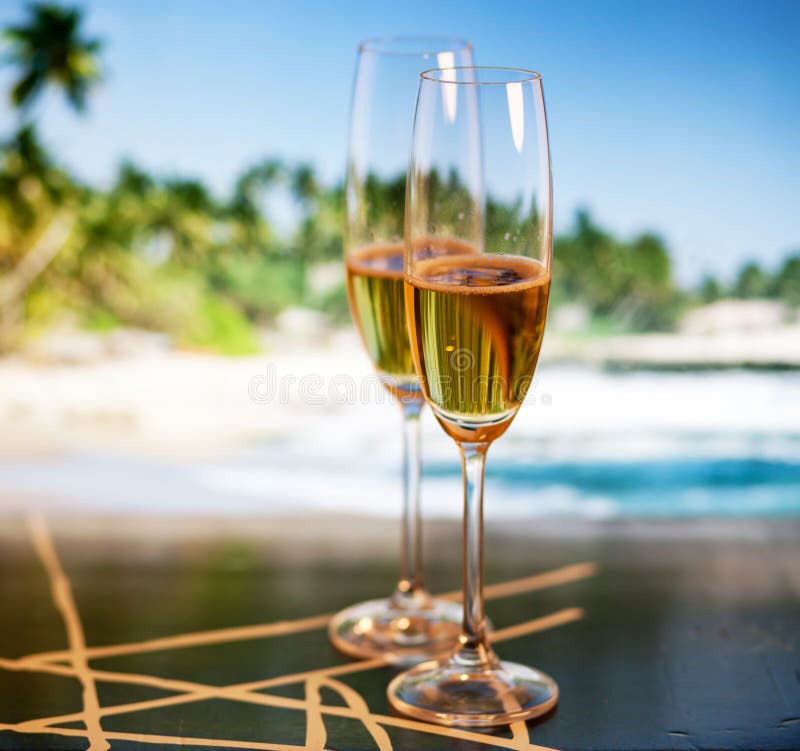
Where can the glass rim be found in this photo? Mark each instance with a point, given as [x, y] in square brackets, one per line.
[383, 45]
[527, 76]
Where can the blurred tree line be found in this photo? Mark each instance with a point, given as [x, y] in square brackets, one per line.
[753, 282]
[168, 255]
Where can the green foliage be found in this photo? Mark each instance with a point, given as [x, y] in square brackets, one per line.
[100, 319]
[335, 305]
[787, 281]
[260, 286]
[710, 290]
[220, 327]
[628, 281]
[32, 191]
[43, 306]
[49, 49]
[752, 282]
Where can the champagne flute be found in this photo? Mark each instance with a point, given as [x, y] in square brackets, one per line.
[478, 256]
[410, 625]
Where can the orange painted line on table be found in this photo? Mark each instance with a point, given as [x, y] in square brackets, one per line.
[454, 733]
[356, 702]
[316, 734]
[168, 739]
[351, 696]
[564, 575]
[193, 639]
[344, 669]
[519, 733]
[102, 676]
[245, 692]
[486, 739]
[515, 742]
[65, 603]
[559, 618]
[356, 709]
[193, 692]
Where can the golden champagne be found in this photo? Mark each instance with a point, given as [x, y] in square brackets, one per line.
[477, 322]
[375, 290]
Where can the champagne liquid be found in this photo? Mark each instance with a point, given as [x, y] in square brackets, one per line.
[375, 290]
[477, 322]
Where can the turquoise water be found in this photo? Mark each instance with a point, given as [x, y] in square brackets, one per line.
[265, 482]
[667, 487]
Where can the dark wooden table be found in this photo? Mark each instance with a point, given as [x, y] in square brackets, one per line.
[155, 633]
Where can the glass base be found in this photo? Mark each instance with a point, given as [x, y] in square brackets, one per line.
[418, 629]
[447, 693]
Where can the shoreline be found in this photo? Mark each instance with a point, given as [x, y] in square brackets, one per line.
[382, 535]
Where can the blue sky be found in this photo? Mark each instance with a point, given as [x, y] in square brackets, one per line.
[680, 117]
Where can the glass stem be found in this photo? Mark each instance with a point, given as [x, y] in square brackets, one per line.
[474, 650]
[410, 590]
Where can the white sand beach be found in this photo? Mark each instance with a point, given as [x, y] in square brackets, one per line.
[147, 399]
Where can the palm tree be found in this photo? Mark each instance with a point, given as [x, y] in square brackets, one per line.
[49, 48]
